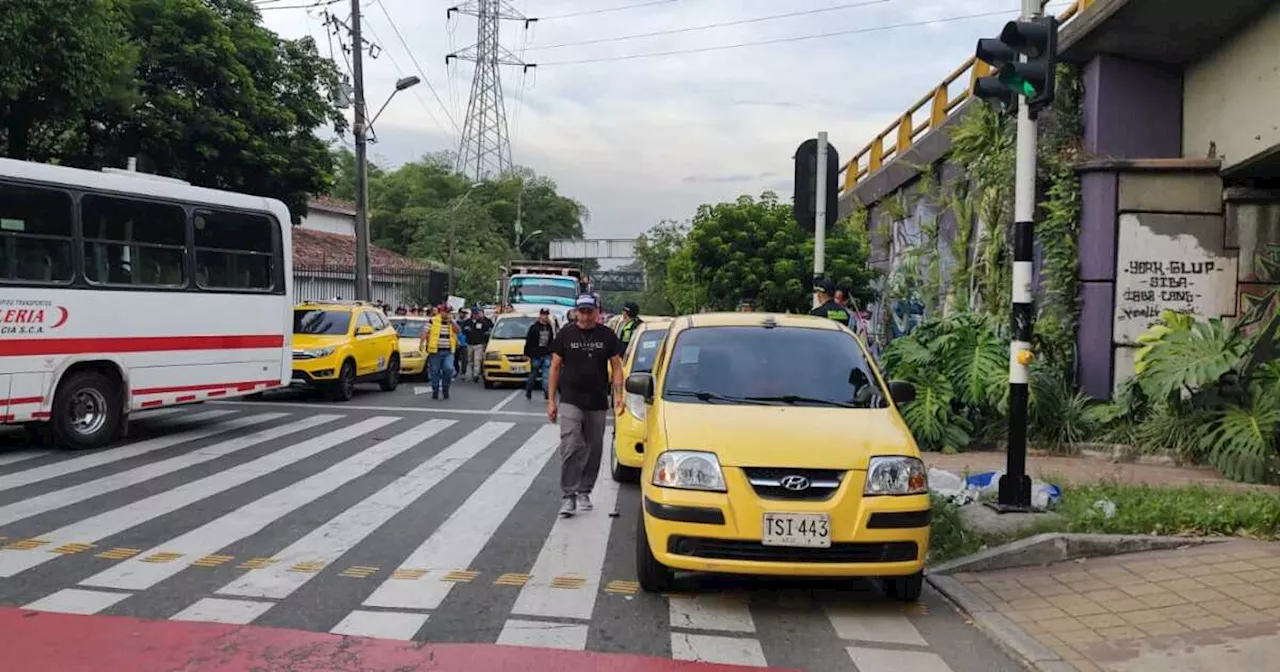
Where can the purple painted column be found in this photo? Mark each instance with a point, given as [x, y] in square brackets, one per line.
[1132, 110]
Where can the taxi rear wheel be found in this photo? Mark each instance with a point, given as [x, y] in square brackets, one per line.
[653, 575]
[620, 472]
[905, 588]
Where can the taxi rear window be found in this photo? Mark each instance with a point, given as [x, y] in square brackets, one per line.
[647, 350]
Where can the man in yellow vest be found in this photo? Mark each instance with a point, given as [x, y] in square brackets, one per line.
[630, 320]
[440, 341]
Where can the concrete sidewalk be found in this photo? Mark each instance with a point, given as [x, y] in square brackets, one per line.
[1202, 609]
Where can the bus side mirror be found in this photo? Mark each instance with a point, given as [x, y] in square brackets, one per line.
[364, 330]
[902, 391]
[640, 384]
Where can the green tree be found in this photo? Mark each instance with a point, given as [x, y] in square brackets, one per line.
[63, 59]
[654, 251]
[756, 245]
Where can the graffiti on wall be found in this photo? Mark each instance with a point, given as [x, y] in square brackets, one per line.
[1174, 262]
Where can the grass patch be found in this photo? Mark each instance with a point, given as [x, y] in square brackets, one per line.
[1170, 511]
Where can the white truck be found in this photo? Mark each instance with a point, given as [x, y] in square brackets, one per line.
[528, 286]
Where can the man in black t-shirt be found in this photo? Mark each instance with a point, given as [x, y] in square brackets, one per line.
[580, 357]
[476, 331]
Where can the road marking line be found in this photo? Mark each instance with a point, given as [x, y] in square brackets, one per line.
[219, 610]
[571, 582]
[76, 601]
[461, 576]
[307, 567]
[257, 563]
[256, 515]
[575, 547]
[64, 467]
[505, 400]
[718, 649]
[65, 497]
[543, 634]
[866, 623]
[512, 580]
[408, 574]
[118, 553]
[386, 409]
[71, 549]
[343, 532]
[359, 572]
[711, 612]
[461, 537]
[213, 560]
[161, 558]
[622, 587]
[381, 624]
[11, 458]
[112, 522]
[25, 544]
[896, 660]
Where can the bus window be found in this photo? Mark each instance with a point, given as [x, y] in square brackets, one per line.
[134, 242]
[234, 250]
[35, 235]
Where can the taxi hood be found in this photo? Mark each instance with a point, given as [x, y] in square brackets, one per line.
[785, 435]
[310, 341]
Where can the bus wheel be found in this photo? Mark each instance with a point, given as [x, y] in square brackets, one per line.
[345, 387]
[86, 411]
[391, 380]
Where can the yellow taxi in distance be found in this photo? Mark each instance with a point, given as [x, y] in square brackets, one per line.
[774, 447]
[504, 358]
[338, 344]
[627, 455]
[413, 361]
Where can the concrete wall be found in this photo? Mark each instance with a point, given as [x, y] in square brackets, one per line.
[329, 222]
[1232, 96]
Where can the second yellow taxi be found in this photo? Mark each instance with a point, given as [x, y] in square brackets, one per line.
[338, 344]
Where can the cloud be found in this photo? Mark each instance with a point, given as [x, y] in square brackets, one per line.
[645, 139]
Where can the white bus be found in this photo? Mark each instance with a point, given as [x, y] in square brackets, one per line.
[121, 291]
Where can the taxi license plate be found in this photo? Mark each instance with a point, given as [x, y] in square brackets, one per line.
[519, 368]
[806, 530]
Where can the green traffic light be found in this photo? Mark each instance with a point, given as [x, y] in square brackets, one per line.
[1018, 84]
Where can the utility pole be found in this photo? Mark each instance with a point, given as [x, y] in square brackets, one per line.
[360, 130]
[820, 215]
[1025, 58]
[817, 194]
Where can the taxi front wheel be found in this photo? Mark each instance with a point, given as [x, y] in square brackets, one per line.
[653, 575]
[905, 588]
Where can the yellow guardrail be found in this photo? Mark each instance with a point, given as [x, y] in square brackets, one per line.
[906, 130]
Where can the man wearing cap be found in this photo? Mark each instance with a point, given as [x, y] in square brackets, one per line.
[581, 355]
[827, 306]
[439, 340]
[630, 320]
[537, 347]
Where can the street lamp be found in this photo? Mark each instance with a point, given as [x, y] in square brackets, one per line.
[521, 241]
[364, 289]
[453, 231]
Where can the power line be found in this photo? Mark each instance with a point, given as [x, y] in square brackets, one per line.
[588, 12]
[758, 43]
[414, 59]
[315, 5]
[721, 24]
[399, 71]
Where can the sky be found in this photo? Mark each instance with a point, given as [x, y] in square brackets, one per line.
[640, 140]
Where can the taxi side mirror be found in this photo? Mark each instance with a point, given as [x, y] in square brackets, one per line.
[902, 391]
[640, 384]
[364, 330]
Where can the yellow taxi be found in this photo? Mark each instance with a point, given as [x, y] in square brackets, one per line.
[339, 344]
[628, 429]
[504, 358]
[774, 447]
[413, 360]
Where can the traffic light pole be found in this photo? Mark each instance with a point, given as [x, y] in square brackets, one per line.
[820, 214]
[360, 129]
[1014, 491]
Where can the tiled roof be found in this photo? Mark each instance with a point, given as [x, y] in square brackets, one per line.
[330, 204]
[320, 248]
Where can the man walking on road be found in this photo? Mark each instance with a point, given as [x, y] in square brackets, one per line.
[581, 355]
[476, 332]
[439, 340]
[537, 347]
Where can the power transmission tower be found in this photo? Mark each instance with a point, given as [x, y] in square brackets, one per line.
[485, 149]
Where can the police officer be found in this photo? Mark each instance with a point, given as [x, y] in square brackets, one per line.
[827, 306]
[630, 320]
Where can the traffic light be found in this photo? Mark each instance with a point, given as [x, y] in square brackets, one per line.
[1034, 78]
[806, 188]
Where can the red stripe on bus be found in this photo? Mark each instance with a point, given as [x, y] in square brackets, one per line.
[41, 414]
[185, 397]
[153, 402]
[246, 385]
[114, 345]
[217, 393]
[21, 400]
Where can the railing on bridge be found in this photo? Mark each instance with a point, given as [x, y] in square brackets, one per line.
[906, 129]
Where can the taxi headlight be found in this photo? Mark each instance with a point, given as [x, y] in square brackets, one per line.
[896, 475]
[689, 470]
[411, 354]
[635, 406]
[315, 353]
[492, 357]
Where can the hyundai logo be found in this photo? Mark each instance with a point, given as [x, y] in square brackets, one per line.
[794, 482]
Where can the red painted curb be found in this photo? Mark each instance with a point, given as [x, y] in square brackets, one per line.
[71, 643]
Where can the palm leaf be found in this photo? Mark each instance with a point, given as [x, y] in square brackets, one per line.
[1242, 441]
[1190, 359]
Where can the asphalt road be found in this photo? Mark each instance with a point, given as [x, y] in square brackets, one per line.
[396, 516]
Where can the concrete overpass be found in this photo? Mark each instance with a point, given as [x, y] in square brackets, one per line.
[1181, 141]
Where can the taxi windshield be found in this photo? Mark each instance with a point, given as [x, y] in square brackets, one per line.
[321, 322]
[512, 327]
[779, 365]
[408, 328]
